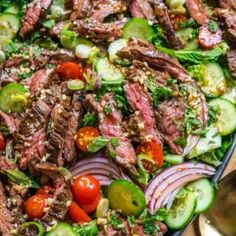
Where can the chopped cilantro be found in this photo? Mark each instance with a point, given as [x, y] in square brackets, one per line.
[115, 142]
[131, 221]
[188, 23]
[115, 222]
[112, 153]
[107, 109]
[181, 141]
[24, 75]
[97, 144]
[49, 23]
[89, 119]
[4, 130]
[212, 26]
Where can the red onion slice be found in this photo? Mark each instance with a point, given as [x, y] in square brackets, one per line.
[157, 194]
[155, 181]
[170, 199]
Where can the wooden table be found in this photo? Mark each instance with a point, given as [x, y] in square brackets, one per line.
[191, 230]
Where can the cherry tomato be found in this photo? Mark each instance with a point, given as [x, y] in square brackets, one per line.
[45, 190]
[34, 206]
[147, 163]
[85, 189]
[77, 214]
[70, 70]
[153, 150]
[84, 136]
[2, 142]
[91, 207]
[176, 20]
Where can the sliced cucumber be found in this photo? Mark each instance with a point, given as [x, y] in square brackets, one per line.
[230, 95]
[107, 71]
[9, 25]
[226, 115]
[214, 83]
[138, 28]
[181, 211]
[114, 47]
[211, 141]
[204, 192]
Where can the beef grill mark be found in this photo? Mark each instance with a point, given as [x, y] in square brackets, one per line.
[34, 13]
[111, 126]
[81, 9]
[97, 31]
[140, 103]
[142, 51]
[231, 58]
[170, 120]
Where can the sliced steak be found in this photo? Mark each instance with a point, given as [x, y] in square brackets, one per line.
[62, 196]
[9, 122]
[31, 137]
[140, 103]
[81, 9]
[170, 120]
[56, 29]
[142, 51]
[97, 31]
[196, 11]
[110, 126]
[228, 4]
[59, 125]
[142, 9]
[231, 57]
[34, 13]
[105, 8]
[38, 80]
[6, 219]
[69, 152]
[162, 15]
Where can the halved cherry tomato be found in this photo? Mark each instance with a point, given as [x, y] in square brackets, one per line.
[2, 142]
[34, 206]
[77, 214]
[70, 70]
[85, 189]
[45, 190]
[147, 163]
[153, 150]
[176, 20]
[84, 136]
[91, 207]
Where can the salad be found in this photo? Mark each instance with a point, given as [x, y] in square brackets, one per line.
[114, 114]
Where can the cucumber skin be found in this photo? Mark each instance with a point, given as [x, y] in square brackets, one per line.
[222, 102]
[187, 221]
[211, 190]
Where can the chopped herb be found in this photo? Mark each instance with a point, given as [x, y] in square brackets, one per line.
[49, 23]
[115, 142]
[24, 75]
[112, 153]
[194, 33]
[131, 221]
[170, 82]
[212, 112]
[115, 222]
[150, 228]
[89, 119]
[97, 144]
[181, 141]
[107, 109]
[212, 26]
[4, 130]
[188, 23]
[201, 132]
[122, 103]
[49, 127]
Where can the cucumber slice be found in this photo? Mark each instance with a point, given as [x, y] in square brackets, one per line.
[126, 197]
[138, 28]
[108, 71]
[204, 192]
[226, 117]
[61, 229]
[211, 141]
[230, 95]
[181, 211]
[173, 159]
[214, 83]
[9, 25]
[114, 47]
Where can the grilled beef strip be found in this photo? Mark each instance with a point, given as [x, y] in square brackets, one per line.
[170, 120]
[81, 9]
[230, 4]
[97, 31]
[34, 13]
[231, 57]
[62, 197]
[140, 103]
[111, 126]
[31, 137]
[9, 122]
[6, 219]
[142, 51]
[196, 11]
